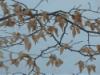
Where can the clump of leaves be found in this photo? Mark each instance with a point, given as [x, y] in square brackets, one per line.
[54, 61]
[61, 21]
[82, 65]
[45, 16]
[87, 50]
[4, 7]
[63, 47]
[77, 18]
[53, 30]
[10, 22]
[91, 68]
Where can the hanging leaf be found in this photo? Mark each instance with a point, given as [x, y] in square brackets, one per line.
[93, 68]
[37, 69]
[4, 7]
[32, 24]
[35, 38]
[10, 22]
[23, 55]
[77, 18]
[21, 18]
[42, 35]
[54, 61]
[18, 9]
[27, 43]
[30, 62]
[86, 50]
[60, 19]
[61, 24]
[81, 65]
[77, 29]
[16, 36]
[58, 62]
[61, 50]
[52, 30]
[65, 45]
[98, 48]
[89, 69]
[92, 26]
[97, 21]
[19, 12]
[73, 31]
[15, 62]
[28, 12]
[45, 16]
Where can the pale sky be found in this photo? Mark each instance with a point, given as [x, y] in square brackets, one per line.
[69, 58]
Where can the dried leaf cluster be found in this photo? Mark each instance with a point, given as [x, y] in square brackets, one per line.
[90, 68]
[46, 26]
[54, 61]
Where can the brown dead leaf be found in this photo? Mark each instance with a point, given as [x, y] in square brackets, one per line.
[4, 7]
[30, 62]
[98, 48]
[27, 43]
[73, 31]
[15, 62]
[60, 19]
[61, 50]
[86, 50]
[77, 18]
[81, 65]
[32, 24]
[45, 16]
[36, 38]
[52, 30]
